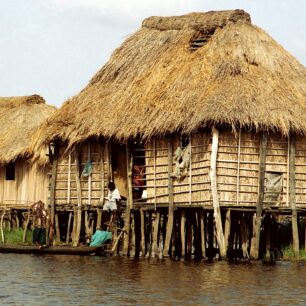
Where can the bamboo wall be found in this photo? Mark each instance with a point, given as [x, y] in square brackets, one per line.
[190, 190]
[93, 188]
[237, 170]
[30, 185]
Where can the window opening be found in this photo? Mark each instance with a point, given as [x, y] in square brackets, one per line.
[274, 186]
[10, 171]
[201, 39]
[138, 171]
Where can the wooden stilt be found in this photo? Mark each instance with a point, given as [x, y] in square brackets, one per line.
[295, 232]
[142, 250]
[227, 229]
[254, 253]
[183, 231]
[149, 236]
[75, 217]
[203, 234]
[99, 218]
[127, 221]
[174, 242]
[161, 236]
[210, 234]
[214, 191]
[26, 226]
[189, 234]
[79, 198]
[155, 227]
[244, 237]
[132, 253]
[1, 225]
[57, 230]
[53, 185]
[267, 223]
[169, 230]
[68, 227]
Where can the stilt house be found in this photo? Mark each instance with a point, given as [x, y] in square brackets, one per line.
[213, 112]
[21, 181]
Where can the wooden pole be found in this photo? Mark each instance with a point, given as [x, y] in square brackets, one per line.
[1, 225]
[203, 233]
[254, 253]
[132, 248]
[155, 227]
[183, 230]
[142, 251]
[69, 179]
[244, 237]
[99, 218]
[79, 198]
[295, 232]
[102, 174]
[214, 191]
[169, 229]
[68, 227]
[58, 234]
[129, 162]
[52, 185]
[26, 227]
[227, 229]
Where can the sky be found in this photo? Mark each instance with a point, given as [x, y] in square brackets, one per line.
[54, 47]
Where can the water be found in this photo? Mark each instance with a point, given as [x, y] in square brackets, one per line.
[90, 280]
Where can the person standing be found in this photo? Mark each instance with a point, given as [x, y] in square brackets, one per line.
[40, 221]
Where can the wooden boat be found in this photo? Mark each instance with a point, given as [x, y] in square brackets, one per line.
[55, 250]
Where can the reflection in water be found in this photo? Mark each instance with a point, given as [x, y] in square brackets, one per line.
[57, 280]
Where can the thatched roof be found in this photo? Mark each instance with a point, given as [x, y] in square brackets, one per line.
[19, 118]
[159, 82]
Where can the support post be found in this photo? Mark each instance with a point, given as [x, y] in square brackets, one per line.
[295, 232]
[68, 227]
[155, 227]
[57, 230]
[129, 205]
[214, 191]
[227, 229]
[79, 199]
[183, 241]
[52, 185]
[203, 233]
[169, 230]
[142, 251]
[261, 192]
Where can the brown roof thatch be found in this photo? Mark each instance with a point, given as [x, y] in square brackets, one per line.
[159, 82]
[19, 118]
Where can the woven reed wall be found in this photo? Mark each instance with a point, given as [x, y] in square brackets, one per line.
[91, 187]
[300, 171]
[237, 170]
[193, 189]
[30, 185]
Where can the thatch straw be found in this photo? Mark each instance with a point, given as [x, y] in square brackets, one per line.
[19, 118]
[154, 84]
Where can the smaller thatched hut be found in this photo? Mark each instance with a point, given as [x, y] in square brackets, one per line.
[21, 181]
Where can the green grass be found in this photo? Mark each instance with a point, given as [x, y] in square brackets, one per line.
[288, 253]
[15, 236]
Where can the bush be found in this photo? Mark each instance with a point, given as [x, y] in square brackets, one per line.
[15, 236]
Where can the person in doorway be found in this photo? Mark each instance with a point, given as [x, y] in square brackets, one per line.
[138, 181]
[112, 201]
[40, 221]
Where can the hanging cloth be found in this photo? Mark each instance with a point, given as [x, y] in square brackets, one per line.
[87, 168]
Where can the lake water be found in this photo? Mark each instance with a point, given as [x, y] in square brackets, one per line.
[90, 280]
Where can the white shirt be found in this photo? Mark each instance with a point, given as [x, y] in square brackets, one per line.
[113, 195]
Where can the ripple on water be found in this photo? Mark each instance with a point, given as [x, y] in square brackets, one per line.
[61, 280]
